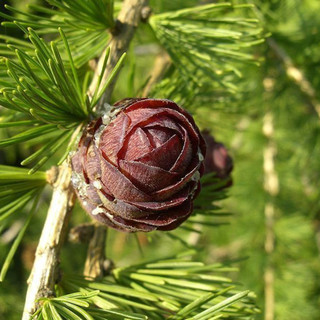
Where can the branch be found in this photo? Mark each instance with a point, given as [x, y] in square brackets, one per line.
[161, 65]
[271, 187]
[269, 270]
[10, 234]
[94, 266]
[296, 75]
[44, 271]
[128, 19]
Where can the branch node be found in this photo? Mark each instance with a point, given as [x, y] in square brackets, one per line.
[108, 266]
[117, 29]
[81, 233]
[145, 14]
[46, 293]
[52, 175]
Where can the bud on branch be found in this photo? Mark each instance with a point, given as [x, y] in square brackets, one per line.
[217, 160]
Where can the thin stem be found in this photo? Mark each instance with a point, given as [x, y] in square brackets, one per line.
[269, 270]
[128, 19]
[94, 266]
[296, 75]
[160, 67]
[271, 187]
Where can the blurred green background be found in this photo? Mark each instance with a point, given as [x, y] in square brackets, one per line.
[283, 92]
